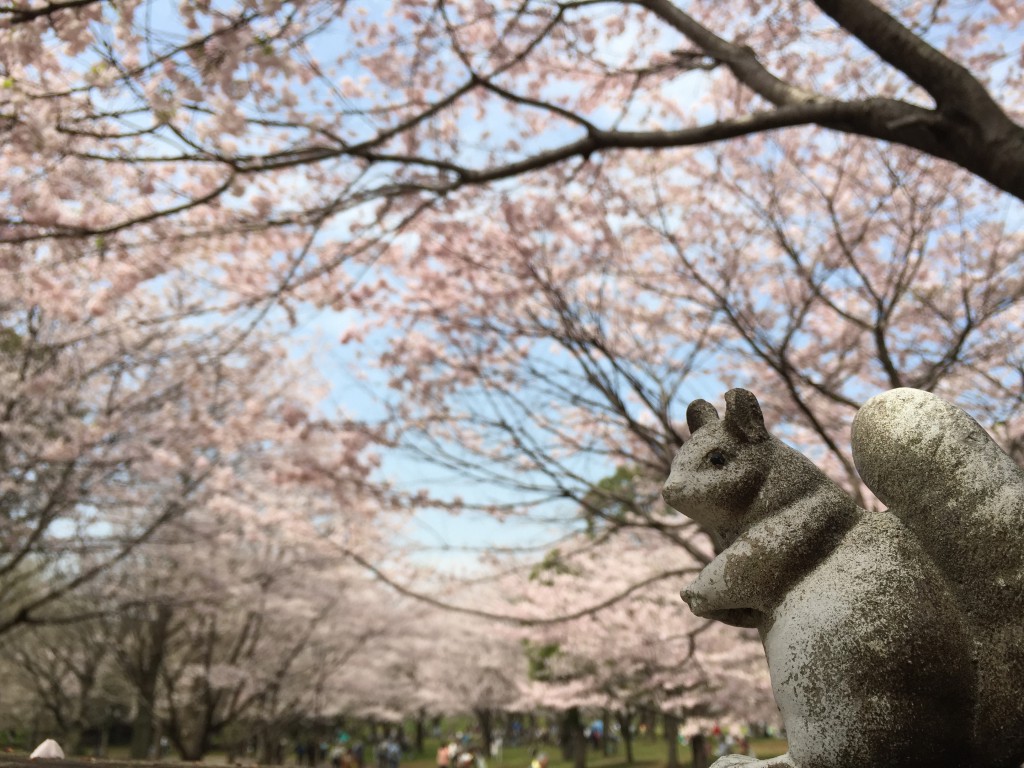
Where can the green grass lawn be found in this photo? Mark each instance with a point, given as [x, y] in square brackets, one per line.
[647, 753]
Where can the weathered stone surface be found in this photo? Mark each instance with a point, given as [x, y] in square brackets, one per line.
[893, 638]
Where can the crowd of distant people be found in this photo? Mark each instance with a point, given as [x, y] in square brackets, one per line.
[461, 752]
[718, 742]
[458, 752]
[344, 753]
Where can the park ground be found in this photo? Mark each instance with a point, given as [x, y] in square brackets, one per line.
[648, 753]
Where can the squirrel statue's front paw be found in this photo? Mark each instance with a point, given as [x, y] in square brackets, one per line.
[736, 617]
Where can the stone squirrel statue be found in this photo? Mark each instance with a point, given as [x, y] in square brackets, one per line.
[894, 638]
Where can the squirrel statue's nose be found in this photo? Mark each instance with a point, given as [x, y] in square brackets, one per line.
[691, 598]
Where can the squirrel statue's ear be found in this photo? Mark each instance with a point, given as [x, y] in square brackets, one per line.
[743, 416]
[699, 413]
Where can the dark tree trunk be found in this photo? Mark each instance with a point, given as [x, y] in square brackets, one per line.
[195, 749]
[143, 669]
[579, 741]
[193, 727]
[142, 730]
[565, 734]
[606, 721]
[672, 739]
[625, 718]
[699, 749]
[73, 740]
[101, 749]
[268, 745]
[485, 718]
[574, 744]
[421, 728]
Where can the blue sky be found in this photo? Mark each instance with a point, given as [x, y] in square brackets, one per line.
[433, 530]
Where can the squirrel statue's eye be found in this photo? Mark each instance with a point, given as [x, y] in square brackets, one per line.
[717, 458]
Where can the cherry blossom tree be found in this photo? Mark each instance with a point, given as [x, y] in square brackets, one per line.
[87, 436]
[130, 398]
[232, 610]
[582, 344]
[69, 671]
[877, 271]
[208, 110]
[642, 652]
[279, 169]
[257, 656]
[545, 227]
[20, 709]
[224, 623]
[235, 141]
[474, 666]
[279, 172]
[540, 349]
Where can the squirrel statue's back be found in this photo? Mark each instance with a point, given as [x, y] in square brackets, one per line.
[893, 638]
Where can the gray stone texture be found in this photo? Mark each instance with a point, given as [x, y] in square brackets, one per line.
[894, 638]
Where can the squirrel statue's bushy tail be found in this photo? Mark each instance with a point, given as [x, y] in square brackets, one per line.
[963, 498]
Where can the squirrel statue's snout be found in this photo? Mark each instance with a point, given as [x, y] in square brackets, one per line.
[693, 599]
